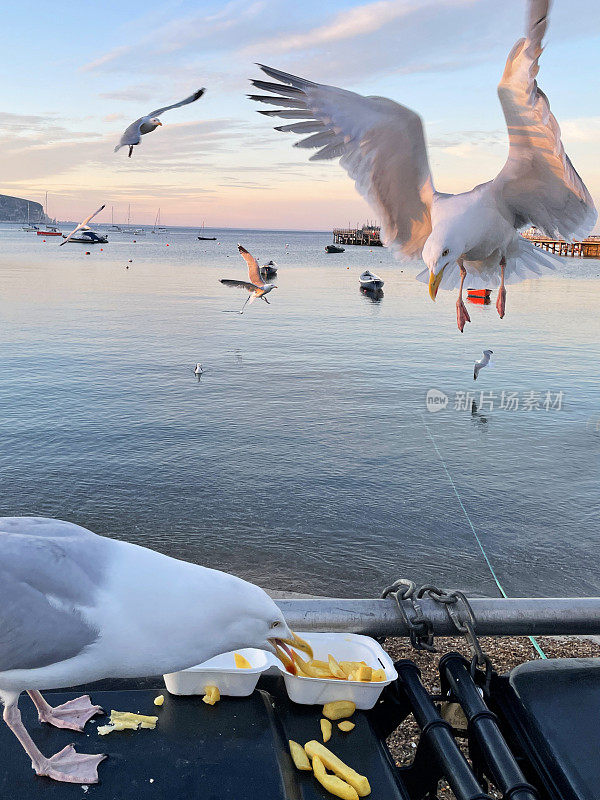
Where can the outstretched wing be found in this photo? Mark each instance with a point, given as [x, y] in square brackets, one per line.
[191, 99]
[538, 183]
[253, 268]
[249, 287]
[132, 134]
[380, 144]
[81, 225]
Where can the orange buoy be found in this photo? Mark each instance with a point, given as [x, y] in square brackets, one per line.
[478, 293]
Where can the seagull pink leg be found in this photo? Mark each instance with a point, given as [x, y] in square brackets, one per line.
[501, 301]
[72, 715]
[67, 766]
[462, 315]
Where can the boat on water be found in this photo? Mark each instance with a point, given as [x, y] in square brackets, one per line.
[479, 294]
[204, 238]
[333, 248]
[88, 237]
[269, 270]
[368, 280]
[51, 231]
[158, 229]
[30, 227]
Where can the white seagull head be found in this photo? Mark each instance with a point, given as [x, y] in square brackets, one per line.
[441, 249]
[155, 122]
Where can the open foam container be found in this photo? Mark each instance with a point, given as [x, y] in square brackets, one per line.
[221, 672]
[343, 647]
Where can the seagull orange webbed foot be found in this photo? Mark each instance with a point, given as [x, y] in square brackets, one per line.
[501, 301]
[462, 315]
[72, 715]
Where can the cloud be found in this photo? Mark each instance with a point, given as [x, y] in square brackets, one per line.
[141, 92]
[113, 117]
[581, 129]
[101, 61]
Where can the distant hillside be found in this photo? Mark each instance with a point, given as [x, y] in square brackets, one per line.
[14, 209]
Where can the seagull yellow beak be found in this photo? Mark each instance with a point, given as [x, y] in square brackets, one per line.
[284, 654]
[434, 283]
[160, 123]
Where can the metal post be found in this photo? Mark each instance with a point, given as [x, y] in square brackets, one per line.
[495, 616]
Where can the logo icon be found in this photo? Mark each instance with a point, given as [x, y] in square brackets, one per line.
[436, 400]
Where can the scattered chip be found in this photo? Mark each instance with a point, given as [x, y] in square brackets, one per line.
[334, 764]
[299, 756]
[346, 726]
[158, 701]
[212, 695]
[338, 709]
[326, 729]
[241, 662]
[332, 783]
[126, 720]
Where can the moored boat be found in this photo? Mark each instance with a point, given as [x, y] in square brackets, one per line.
[49, 232]
[269, 270]
[88, 237]
[333, 248]
[478, 294]
[368, 280]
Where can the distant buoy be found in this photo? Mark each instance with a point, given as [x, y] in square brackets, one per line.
[134, 241]
[101, 249]
[87, 252]
[167, 245]
[131, 261]
[43, 240]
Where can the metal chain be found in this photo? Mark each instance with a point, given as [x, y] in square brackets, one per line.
[420, 628]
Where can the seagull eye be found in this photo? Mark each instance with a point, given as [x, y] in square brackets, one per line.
[445, 253]
[275, 624]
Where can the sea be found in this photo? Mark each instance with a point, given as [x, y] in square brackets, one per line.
[335, 441]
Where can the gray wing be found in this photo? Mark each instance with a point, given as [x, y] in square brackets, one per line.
[191, 99]
[132, 134]
[380, 144]
[538, 183]
[249, 287]
[49, 571]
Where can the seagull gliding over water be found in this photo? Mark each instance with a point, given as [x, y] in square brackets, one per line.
[255, 284]
[381, 144]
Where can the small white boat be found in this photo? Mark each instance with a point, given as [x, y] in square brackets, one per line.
[368, 280]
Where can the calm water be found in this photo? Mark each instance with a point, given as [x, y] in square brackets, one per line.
[304, 458]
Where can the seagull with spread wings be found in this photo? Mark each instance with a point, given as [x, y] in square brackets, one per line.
[255, 284]
[82, 226]
[133, 134]
[381, 144]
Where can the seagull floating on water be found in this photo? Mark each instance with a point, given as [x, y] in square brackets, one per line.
[82, 225]
[483, 362]
[198, 369]
[381, 145]
[255, 284]
[76, 607]
[133, 134]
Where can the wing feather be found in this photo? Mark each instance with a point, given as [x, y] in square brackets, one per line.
[249, 287]
[380, 144]
[538, 182]
[82, 225]
[253, 268]
[131, 134]
[191, 99]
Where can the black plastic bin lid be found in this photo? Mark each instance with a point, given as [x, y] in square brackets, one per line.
[554, 711]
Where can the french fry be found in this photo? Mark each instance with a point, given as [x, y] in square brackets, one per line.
[326, 729]
[335, 668]
[364, 673]
[299, 756]
[332, 783]
[378, 675]
[317, 750]
[158, 701]
[285, 660]
[212, 695]
[338, 709]
[241, 662]
[346, 726]
[126, 720]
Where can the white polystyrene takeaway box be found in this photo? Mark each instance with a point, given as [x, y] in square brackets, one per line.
[343, 647]
[221, 672]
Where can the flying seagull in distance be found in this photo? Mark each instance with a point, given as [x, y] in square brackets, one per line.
[133, 134]
[381, 144]
[82, 225]
[255, 284]
[483, 362]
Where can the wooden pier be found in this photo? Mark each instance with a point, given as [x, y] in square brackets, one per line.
[367, 236]
[587, 248]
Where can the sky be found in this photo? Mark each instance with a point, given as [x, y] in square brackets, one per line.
[73, 78]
